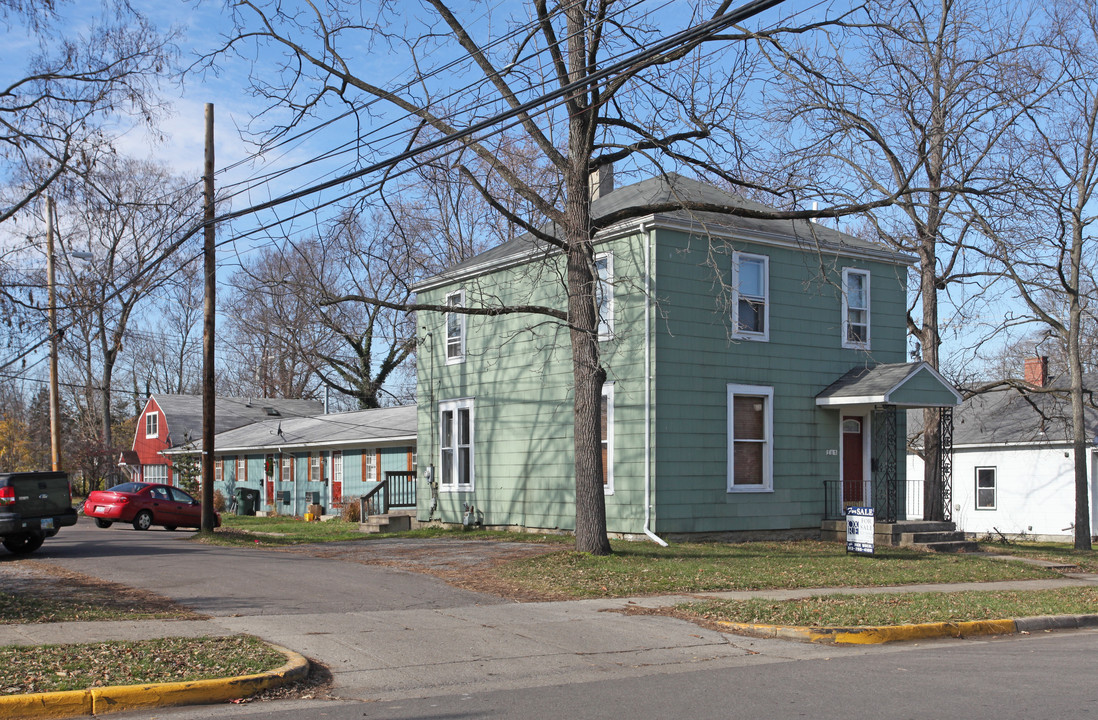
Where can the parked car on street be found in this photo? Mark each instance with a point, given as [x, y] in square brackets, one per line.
[145, 505]
[33, 507]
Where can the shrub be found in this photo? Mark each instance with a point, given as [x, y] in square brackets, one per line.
[351, 510]
[219, 501]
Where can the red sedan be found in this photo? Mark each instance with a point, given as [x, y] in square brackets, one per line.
[145, 505]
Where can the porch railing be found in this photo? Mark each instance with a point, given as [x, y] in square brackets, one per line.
[397, 490]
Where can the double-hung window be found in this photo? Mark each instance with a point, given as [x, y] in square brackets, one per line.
[241, 469]
[985, 488]
[750, 438]
[152, 425]
[604, 294]
[455, 328]
[855, 309]
[607, 422]
[369, 465]
[456, 445]
[751, 296]
[287, 468]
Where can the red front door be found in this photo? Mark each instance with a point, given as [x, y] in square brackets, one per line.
[853, 463]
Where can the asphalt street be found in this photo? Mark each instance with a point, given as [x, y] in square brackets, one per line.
[405, 645]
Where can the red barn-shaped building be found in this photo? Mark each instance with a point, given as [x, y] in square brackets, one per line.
[175, 421]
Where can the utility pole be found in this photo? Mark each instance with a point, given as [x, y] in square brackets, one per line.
[209, 253]
[55, 398]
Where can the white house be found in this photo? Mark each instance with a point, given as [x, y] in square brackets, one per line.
[1013, 469]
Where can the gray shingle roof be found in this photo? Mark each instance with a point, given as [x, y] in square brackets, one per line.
[358, 427]
[183, 413]
[875, 384]
[1012, 416]
[674, 188]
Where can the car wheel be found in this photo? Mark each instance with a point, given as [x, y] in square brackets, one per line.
[23, 544]
[143, 521]
[100, 522]
[169, 527]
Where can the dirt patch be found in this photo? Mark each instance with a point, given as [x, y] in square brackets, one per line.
[466, 564]
[34, 580]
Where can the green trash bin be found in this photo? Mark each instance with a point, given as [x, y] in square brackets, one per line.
[247, 501]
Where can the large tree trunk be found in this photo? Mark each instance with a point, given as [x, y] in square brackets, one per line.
[933, 508]
[1078, 426]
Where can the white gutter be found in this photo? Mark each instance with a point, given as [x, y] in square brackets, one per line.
[648, 234]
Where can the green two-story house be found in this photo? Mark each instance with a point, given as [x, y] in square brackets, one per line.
[754, 368]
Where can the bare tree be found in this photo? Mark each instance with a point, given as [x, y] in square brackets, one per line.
[528, 106]
[50, 118]
[1043, 237]
[127, 218]
[911, 99]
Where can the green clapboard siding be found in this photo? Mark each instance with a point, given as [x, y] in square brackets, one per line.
[517, 373]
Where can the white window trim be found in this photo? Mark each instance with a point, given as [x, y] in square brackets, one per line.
[995, 488]
[764, 336]
[337, 466]
[155, 417]
[608, 392]
[454, 406]
[768, 451]
[847, 342]
[241, 469]
[369, 469]
[606, 324]
[460, 357]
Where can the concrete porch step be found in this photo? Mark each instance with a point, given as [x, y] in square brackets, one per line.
[949, 546]
[392, 522]
[919, 538]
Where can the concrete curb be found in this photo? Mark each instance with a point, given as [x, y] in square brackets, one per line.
[98, 701]
[899, 633]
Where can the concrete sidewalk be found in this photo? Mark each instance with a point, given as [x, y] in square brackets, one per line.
[394, 654]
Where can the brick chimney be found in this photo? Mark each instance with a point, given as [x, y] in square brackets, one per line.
[601, 181]
[1037, 371]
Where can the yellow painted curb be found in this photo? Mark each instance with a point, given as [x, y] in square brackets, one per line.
[98, 701]
[874, 634]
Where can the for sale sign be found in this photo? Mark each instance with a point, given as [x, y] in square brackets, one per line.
[859, 530]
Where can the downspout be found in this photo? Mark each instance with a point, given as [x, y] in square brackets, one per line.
[649, 239]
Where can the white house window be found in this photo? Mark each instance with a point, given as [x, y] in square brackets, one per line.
[337, 466]
[152, 425]
[985, 488]
[750, 433]
[604, 294]
[287, 468]
[456, 445]
[455, 328]
[241, 468]
[219, 470]
[608, 438]
[369, 465]
[156, 473]
[315, 468]
[751, 296]
[855, 309]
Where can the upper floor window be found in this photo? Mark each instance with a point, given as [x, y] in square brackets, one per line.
[855, 309]
[750, 443]
[604, 294]
[985, 488]
[751, 296]
[455, 328]
[152, 424]
[456, 445]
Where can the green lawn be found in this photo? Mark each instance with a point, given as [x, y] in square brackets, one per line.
[53, 668]
[1086, 560]
[644, 569]
[899, 609]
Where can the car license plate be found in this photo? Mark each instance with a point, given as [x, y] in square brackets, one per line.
[99, 508]
[47, 523]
